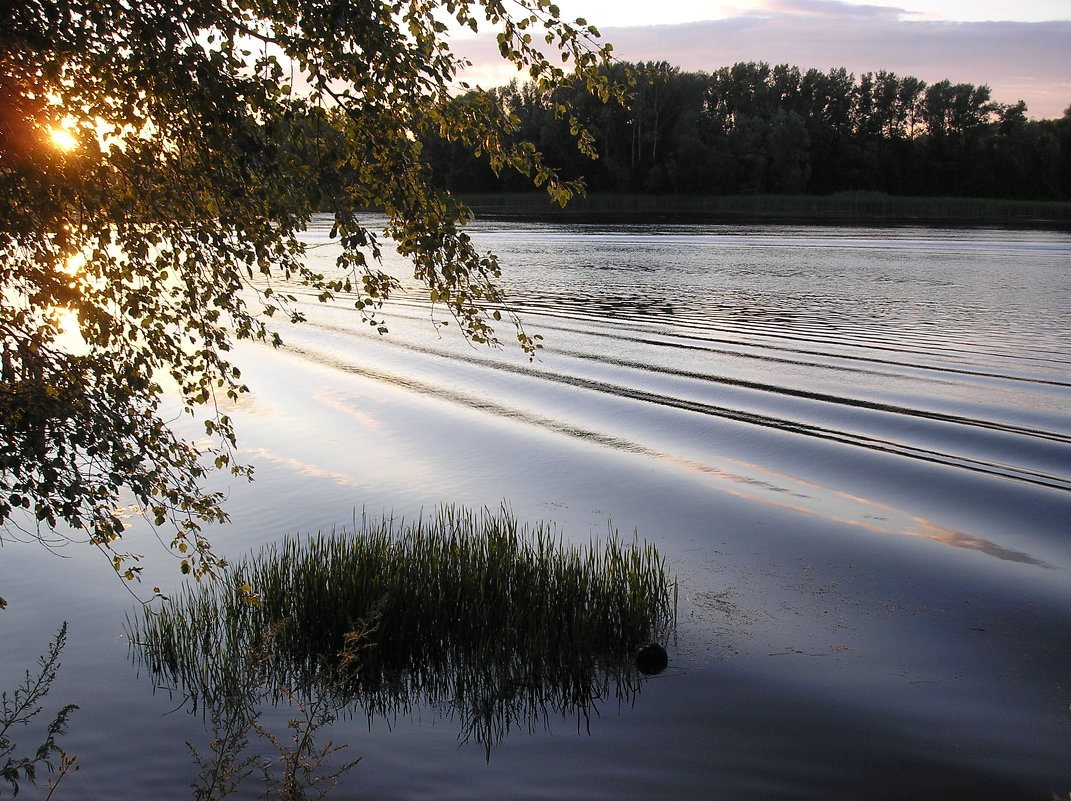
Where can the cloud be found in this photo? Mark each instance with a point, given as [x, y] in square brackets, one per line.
[829, 9]
[1017, 60]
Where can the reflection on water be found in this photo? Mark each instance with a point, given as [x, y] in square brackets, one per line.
[264, 456]
[763, 485]
[810, 498]
[854, 446]
[904, 350]
[493, 625]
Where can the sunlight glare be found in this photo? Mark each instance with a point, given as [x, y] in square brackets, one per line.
[63, 139]
[73, 264]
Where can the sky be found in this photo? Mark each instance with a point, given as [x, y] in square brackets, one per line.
[1021, 50]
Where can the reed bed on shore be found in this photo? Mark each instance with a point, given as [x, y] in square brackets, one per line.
[842, 207]
[490, 621]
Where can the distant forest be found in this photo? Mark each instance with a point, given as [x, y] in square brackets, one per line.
[756, 129]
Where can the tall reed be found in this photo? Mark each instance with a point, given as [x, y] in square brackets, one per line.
[489, 621]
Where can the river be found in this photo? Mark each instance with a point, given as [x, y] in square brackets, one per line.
[853, 445]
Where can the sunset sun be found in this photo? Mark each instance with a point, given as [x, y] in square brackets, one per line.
[63, 139]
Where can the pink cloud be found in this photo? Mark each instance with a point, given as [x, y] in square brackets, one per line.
[829, 9]
[1028, 61]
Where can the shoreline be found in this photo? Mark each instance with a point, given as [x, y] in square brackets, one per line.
[845, 208]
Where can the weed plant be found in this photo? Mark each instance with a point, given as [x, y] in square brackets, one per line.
[494, 624]
[18, 710]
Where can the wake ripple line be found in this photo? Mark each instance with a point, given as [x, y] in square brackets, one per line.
[838, 400]
[821, 432]
[679, 345]
[722, 412]
[933, 350]
[773, 389]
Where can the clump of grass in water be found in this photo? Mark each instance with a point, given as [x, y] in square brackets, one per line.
[491, 622]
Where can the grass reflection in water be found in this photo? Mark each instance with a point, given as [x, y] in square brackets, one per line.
[497, 625]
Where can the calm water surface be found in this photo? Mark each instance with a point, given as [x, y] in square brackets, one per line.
[853, 446]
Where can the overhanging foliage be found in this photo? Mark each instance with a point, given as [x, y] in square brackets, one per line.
[157, 165]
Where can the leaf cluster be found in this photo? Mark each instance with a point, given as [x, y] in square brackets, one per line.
[206, 140]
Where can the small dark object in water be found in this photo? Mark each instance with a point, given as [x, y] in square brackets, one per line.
[652, 659]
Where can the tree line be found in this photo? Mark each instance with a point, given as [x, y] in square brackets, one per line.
[753, 128]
